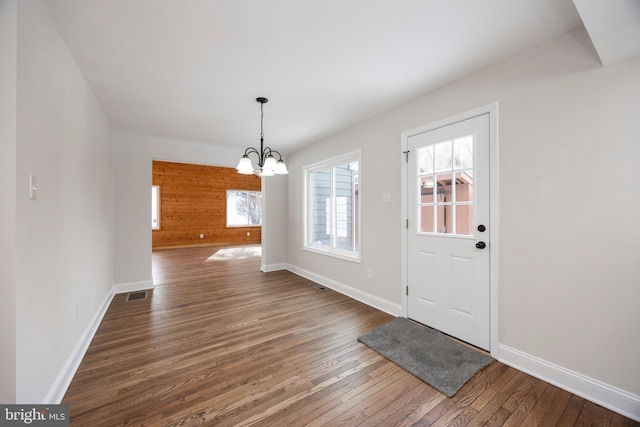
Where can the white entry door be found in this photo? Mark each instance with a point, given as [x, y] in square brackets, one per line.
[448, 230]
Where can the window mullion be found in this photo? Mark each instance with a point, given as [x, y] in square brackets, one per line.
[244, 203]
[354, 212]
[332, 196]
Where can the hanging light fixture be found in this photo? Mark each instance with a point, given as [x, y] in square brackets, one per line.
[267, 164]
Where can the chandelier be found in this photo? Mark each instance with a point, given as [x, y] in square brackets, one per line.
[267, 164]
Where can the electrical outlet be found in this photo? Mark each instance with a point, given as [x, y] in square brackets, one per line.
[202, 236]
[369, 273]
[248, 233]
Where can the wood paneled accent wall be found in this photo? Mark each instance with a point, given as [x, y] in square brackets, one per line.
[193, 201]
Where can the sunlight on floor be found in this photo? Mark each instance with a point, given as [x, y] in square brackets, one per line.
[228, 254]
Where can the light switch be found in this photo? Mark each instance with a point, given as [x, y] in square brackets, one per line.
[386, 197]
[33, 187]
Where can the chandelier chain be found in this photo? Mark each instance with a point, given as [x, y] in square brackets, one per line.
[261, 120]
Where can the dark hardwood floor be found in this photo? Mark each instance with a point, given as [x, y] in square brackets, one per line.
[218, 342]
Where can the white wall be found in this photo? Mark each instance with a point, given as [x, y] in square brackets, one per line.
[8, 113]
[379, 173]
[569, 240]
[133, 158]
[65, 237]
[274, 223]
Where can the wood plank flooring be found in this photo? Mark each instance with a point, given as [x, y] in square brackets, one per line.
[218, 342]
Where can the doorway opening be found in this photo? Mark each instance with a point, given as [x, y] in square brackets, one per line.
[201, 205]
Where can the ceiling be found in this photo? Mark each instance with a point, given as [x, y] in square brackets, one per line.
[190, 70]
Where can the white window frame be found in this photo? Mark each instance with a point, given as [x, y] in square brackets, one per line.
[330, 250]
[155, 212]
[227, 209]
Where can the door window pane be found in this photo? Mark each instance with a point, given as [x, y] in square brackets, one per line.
[463, 153]
[426, 219]
[443, 156]
[445, 182]
[464, 187]
[464, 220]
[425, 159]
[443, 188]
[426, 189]
[444, 217]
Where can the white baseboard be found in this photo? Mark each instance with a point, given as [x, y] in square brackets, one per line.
[596, 391]
[364, 297]
[59, 387]
[122, 288]
[273, 267]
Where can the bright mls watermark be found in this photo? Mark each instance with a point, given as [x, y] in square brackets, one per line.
[34, 415]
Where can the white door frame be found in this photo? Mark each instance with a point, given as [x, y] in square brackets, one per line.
[492, 110]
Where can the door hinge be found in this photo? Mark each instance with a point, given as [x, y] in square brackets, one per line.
[407, 225]
[406, 156]
[407, 290]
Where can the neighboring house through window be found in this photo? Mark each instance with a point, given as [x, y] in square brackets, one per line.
[332, 206]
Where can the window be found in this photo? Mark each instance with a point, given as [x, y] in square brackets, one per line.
[155, 207]
[445, 174]
[244, 208]
[332, 223]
